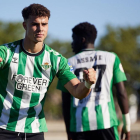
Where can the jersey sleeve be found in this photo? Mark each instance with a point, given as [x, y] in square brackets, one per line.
[65, 73]
[61, 87]
[3, 55]
[118, 72]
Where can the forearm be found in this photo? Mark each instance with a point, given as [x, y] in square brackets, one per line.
[122, 98]
[81, 90]
[123, 103]
[77, 89]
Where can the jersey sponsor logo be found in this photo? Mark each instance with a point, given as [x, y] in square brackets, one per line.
[46, 65]
[15, 60]
[30, 84]
[71, 68]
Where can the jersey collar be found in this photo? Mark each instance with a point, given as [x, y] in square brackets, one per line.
[31, 54]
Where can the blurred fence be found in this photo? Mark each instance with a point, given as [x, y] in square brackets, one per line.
[56, 131]
[135, 135]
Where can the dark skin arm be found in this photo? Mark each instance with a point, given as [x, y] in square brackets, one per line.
[66, 99]
[123, 103]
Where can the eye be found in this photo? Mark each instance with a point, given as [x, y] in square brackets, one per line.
[34, 24]
[44, 24]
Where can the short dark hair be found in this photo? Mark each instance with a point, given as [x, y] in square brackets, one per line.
[35, 10]
[86, 30]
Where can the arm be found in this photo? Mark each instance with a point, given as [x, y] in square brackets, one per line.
[123, 103]
[81, 90]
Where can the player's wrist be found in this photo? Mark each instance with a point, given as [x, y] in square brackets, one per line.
[127, 122]
[87, 85]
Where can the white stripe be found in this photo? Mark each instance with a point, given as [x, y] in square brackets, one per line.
[58, 61]
[35, 124]
[45, 75]
[26, 97]
[92, 116]
[79, 126]
[10, 91]
[106, 116]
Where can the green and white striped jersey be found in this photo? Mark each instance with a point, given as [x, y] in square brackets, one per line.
[24, 81]
[97, 110]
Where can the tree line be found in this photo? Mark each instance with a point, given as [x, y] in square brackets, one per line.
[124, 41]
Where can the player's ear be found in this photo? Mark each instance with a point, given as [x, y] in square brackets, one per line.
[83, 39]
[24, 25]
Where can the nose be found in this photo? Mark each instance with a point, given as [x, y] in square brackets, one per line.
[39, 28]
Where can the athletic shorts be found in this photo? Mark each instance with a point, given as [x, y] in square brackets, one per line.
[10, 135]
[103, 134]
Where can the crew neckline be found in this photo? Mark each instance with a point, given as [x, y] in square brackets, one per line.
[31, 54]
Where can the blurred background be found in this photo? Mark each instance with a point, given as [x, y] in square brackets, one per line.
[118, 25]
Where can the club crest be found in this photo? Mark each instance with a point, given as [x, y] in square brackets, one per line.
[46, 65]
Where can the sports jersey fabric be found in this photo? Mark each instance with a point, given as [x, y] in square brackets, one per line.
[24, 82]
[97, 110]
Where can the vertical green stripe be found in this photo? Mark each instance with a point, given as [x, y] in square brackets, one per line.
[116, 133]
[3, 85]
[42, 120]
[111, 106]
[99, 117]
[85, 119]
[72, 116]
[53, 70]
[31, 112]
[35, 96]
[14, 112]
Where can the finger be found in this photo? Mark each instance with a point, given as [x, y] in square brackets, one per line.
[85, 71]
[92, 75]
[0, 59]
[85, 75]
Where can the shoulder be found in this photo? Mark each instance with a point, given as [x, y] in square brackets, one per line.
[52, 51]
[11, 46]
[54, 55]
[106, 54]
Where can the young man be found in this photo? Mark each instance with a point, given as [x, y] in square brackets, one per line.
[27, 68]
[94, 117]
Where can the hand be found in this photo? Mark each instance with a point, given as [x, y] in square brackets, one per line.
[90, 76]
[125, 135]
[0, 59]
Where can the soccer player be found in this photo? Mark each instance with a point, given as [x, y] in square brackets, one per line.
[27, 68]
[94, 117]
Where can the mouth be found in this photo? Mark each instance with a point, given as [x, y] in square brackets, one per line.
[39, 35]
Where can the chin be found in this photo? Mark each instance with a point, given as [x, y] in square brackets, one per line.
[39, 40]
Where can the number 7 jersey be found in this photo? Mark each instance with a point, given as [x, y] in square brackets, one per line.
[97, 110]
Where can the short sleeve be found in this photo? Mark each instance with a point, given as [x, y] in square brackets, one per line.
[65, 73]
[118, 72]
[61, 87]
[3, 55]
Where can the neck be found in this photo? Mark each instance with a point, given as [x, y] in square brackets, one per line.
[90, 46]
[32, 47]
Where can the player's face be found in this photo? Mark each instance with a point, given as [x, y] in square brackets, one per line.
[36, 28]
[76, 43]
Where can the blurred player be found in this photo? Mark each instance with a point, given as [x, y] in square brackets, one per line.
[94, 117]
